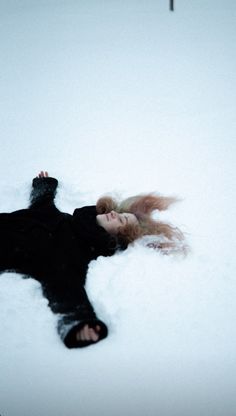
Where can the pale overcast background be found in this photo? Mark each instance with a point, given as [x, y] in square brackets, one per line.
[124, 97]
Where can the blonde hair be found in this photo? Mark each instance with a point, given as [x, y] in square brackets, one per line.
[162, 236]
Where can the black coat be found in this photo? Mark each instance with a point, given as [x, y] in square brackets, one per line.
[55, 248]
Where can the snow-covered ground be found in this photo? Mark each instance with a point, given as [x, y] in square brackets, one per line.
[124, 97]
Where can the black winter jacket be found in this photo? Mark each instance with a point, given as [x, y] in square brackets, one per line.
[55, 248]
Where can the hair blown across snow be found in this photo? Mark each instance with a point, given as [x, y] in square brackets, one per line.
[158, 235]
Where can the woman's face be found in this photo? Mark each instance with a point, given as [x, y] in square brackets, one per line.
[113, 221]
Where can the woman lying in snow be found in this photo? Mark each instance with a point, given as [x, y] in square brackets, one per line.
[56, 248]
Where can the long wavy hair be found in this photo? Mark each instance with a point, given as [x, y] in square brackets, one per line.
[159, 235]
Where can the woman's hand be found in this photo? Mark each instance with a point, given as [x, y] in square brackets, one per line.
[43, 174]
[88, 334]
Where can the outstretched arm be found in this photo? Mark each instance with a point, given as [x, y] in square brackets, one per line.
[43, 191]
[78, 325]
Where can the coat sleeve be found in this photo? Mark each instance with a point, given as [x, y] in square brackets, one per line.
[75, 310]
[43, 192]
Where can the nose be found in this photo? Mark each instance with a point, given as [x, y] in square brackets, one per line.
[113, 214]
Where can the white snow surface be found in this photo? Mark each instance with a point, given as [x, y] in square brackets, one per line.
[123, 98]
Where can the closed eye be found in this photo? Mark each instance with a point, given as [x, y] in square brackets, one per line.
[124, 220]
[121, 220]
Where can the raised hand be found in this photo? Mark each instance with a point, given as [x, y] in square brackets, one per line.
[43, 174]
[88, 334]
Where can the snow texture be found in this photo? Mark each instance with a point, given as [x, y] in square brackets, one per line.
[124, 97]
